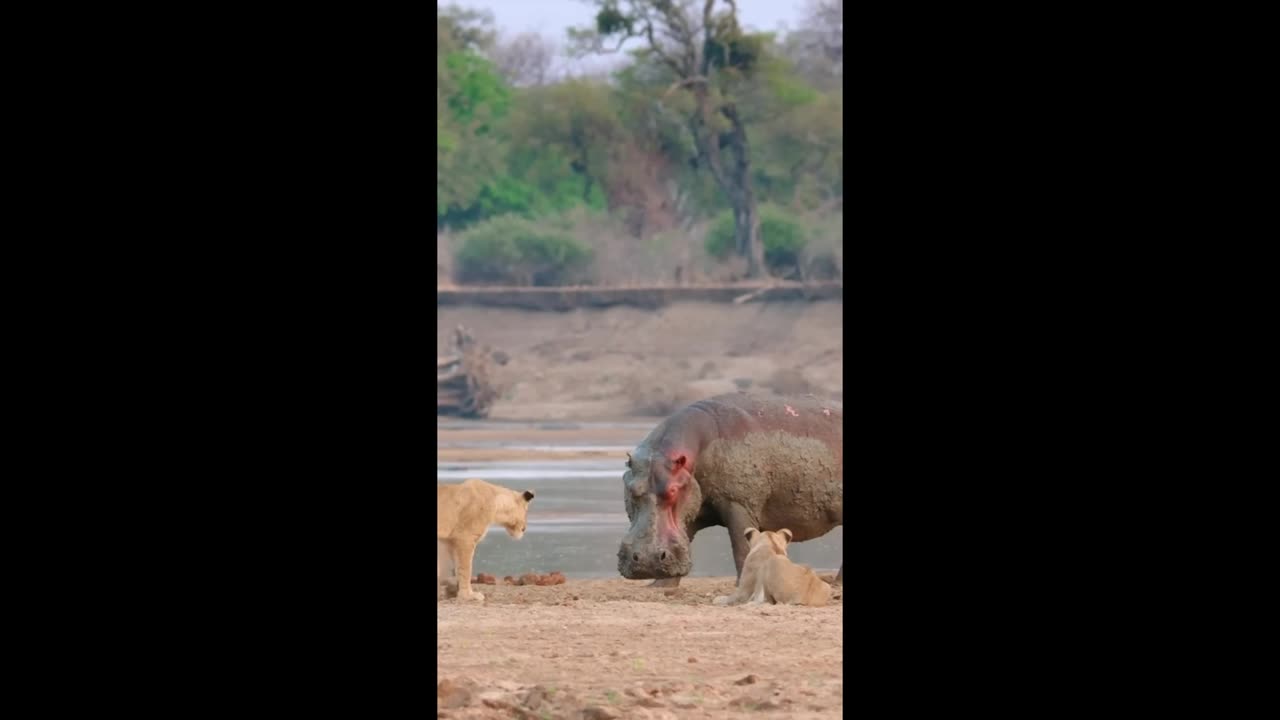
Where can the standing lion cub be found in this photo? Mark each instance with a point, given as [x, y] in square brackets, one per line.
[768, 575]
[464, 513]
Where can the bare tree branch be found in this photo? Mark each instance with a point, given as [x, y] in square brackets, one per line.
[657, 49]
[687, 82]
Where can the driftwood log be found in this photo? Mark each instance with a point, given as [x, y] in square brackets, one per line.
[464, 379]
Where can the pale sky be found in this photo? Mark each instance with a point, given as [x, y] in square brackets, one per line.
[552, 17]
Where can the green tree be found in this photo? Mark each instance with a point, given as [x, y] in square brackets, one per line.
[709, 59]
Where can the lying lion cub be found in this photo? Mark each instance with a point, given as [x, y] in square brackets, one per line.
[768, 575]
[464, 513]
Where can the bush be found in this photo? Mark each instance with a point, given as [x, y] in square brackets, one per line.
[783, 238]
[512, 250]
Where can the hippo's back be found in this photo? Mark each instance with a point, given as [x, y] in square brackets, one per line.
[780, 457]
[739, 414]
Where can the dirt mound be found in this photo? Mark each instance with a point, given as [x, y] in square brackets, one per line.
[553, 578]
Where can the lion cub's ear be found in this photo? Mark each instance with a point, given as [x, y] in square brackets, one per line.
[750, 533]
[785, 533]
[528, 495]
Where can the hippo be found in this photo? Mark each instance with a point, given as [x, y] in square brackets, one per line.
[737, 460]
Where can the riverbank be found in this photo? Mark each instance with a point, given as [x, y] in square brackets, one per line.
[626, 362]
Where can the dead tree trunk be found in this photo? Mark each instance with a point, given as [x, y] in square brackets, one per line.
[464, 379]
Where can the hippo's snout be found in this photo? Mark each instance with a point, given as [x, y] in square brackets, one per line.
[650, 562]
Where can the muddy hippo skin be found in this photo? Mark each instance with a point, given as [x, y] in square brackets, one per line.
[735, 460]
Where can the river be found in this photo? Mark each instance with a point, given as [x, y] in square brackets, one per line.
[578, 518]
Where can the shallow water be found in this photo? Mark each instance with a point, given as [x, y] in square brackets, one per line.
[578, 519]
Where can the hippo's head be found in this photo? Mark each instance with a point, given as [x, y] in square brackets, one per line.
[661, 497]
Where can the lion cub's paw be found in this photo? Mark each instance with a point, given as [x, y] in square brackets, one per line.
[722, 600]
[472, 597]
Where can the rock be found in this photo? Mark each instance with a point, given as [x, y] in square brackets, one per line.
[498, 704]
[754, 703]
[599, 712]
[537, 696]
[693, 660]
[684, 701]
[453, 694]
[748, 680]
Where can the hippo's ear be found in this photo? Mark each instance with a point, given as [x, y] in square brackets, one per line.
[750, 533]
[528, 495]
[679, 462]
[785, 533]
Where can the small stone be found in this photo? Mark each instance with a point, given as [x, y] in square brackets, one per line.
[693, 660]
[536, 697]
[748, 680]
[452, 694]
[599, 712]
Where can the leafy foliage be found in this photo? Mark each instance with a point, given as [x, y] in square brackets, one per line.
[782, 235]
[510, 249]
[518, 147]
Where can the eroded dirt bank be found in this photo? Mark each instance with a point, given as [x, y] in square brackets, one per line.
[622, 361]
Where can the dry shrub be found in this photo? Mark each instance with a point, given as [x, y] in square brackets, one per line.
[620, 258]
[789, 381]
[823, 257]
[676, 257]
[654, 395]
[444, 259]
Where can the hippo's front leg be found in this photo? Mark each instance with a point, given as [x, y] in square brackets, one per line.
[738, 520]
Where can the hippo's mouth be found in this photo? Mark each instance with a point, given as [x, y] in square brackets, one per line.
[670, 531]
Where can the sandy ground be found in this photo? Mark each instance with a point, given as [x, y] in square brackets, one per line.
[617, 649]
[623, 362]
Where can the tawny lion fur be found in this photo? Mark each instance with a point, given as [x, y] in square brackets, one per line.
[464, 513]
[769, 576]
